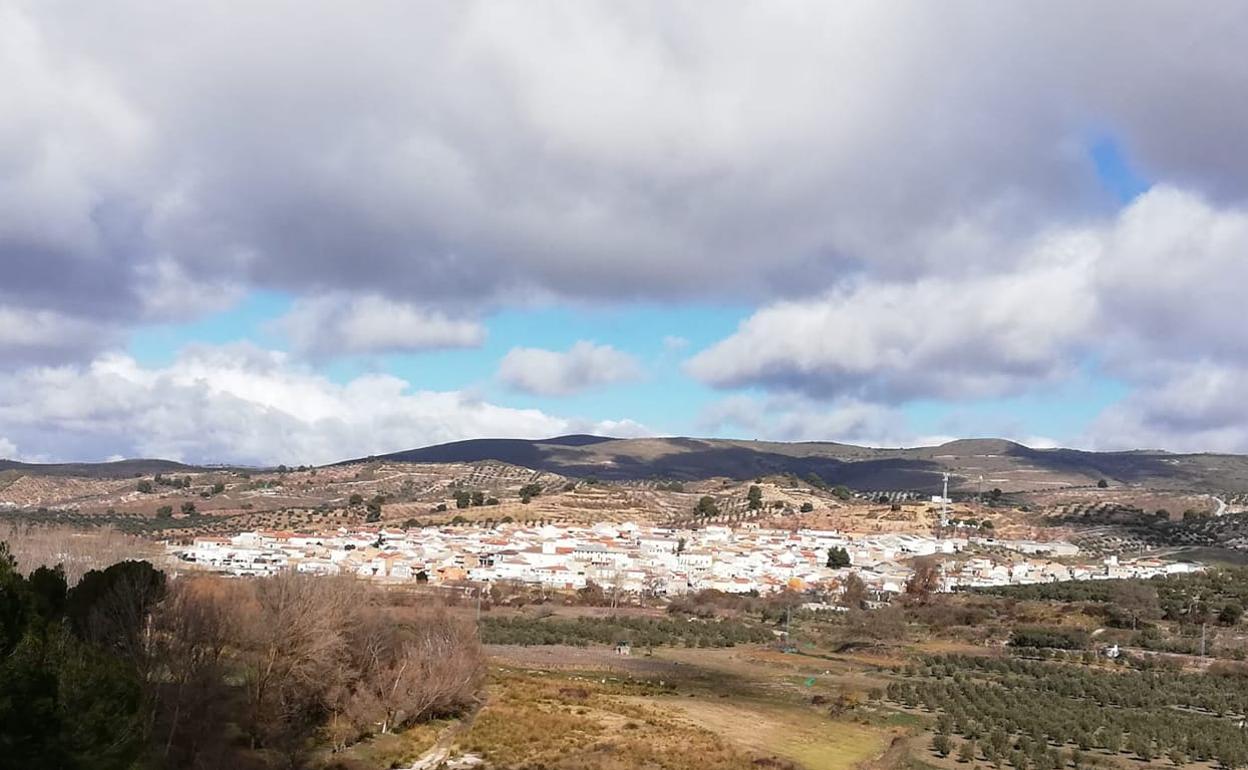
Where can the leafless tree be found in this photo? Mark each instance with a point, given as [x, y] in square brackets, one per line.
[76, 550]
[193, 636]
[431, 663]
[294, 638]
[925, 580]
[853, 592]
[883, 623]
[1136, 601]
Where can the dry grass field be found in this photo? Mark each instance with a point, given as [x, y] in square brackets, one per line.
[722, 708]
[597, 719]
[801, 736]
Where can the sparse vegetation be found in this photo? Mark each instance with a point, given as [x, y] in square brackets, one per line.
[640, 631]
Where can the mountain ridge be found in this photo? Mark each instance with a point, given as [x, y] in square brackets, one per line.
[1001, 462]
[973, 463]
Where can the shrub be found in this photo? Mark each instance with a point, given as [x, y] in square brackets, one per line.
[1050, 637]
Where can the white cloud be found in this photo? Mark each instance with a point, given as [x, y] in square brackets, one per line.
[620, 429]
[1196, 406]
[1152, 296]
[933, 337]
[582, 367]
[344, 325]
[790, 418]
[8, 450]
[38, 335]
[1171, 278]
[246, 405]
[673, 343]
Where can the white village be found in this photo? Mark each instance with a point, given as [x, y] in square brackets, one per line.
[655, 561]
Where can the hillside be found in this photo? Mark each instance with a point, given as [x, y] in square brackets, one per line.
[972, 464]
[1004, 464]
[109, 470]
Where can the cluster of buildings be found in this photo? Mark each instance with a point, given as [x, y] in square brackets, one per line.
[642, 559]
[980, 572]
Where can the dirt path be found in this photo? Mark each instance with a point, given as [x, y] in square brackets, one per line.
[441, 749]
[894, 757]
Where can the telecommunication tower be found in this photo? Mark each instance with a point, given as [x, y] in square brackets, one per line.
[944, 503]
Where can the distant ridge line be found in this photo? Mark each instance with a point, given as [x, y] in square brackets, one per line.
[1000, 462]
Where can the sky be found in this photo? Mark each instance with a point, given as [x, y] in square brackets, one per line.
[297, 232]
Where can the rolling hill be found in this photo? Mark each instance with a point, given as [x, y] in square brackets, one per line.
[971, 463]
[107, 470]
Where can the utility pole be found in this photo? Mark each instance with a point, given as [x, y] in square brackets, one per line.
[944, 505]
[1202, 641]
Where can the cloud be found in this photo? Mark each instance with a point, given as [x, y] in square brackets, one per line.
[584, 366]
[1171, 276]
[1160, 282]
[1194, 407]
[789, 418]
[1150, 297]
[31, 335]
[933, 337]
[344, 325]
[621, 429]
[242, 404]
[8, 450]
[674, 343]
[910, 222]
[594, 152]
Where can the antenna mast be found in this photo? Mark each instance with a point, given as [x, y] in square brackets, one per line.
[944, 503]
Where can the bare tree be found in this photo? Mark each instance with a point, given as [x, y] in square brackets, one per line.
[193, 633]
[294, 634]
[853, 592]
[885, 623]
[431, 664]
[1136, 600]
[76, 550]
[925, 580]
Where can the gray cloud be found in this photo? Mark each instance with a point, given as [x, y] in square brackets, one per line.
[472, 150]
[887, 182]
[1198, 406]
[584, 366]
[39, 336]
[341, 324]
[790, 418]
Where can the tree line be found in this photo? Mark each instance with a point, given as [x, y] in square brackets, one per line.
[1213, 596]
[638, 631]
